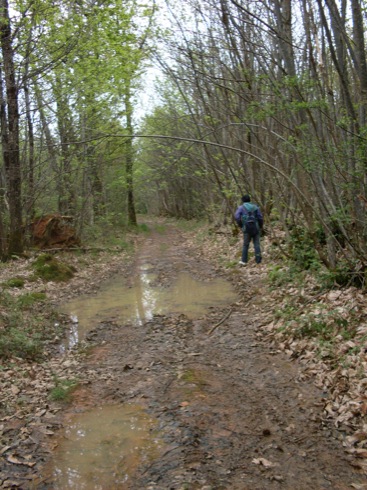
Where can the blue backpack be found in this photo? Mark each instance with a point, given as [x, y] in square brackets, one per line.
[249, 221]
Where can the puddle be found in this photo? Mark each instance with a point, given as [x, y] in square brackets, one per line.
[139, 303]
[104, 455]
[102, 448]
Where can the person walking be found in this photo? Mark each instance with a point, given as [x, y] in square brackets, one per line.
[249, 218]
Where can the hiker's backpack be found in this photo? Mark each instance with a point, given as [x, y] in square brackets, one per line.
[249, 222]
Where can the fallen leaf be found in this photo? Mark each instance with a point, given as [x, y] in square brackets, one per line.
[4, 449]
[11, 484]
[14, 460]
[15, 390]
[264, 462]
[361, 453]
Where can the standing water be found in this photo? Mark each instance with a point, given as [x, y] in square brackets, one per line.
[101, 448]
[137, 304]
[95, 455]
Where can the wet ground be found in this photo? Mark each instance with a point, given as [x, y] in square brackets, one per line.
[190, 398]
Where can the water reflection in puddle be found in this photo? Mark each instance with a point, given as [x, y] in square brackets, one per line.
[102, 448]
[102, 455]
[140, 302]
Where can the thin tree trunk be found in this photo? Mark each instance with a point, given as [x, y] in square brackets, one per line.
[30, 197]
[67, 198]
[45, 127]
[129, 161]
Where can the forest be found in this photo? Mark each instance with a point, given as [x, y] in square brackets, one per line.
[263, 97]
[136, 126]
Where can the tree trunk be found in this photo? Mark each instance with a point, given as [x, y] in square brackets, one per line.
[67, 198]
[10, 136]
[129, 161]
[30, 197]
[45, 127]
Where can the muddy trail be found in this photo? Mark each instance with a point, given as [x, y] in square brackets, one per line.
[215, 406]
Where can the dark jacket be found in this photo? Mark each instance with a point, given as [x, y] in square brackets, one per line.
[241, 210]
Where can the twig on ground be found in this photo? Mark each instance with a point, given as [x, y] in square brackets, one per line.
[220, 323]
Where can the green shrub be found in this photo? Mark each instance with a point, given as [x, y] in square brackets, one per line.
[302, 249]
[48, 268]
[344, 275]
[278, 275]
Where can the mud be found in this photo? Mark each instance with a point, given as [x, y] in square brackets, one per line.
[230, 412]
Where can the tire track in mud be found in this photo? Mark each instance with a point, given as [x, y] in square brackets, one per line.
[231, 412]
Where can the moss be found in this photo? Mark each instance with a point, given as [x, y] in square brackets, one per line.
[48, 268]
[15, 282]
[193, 377]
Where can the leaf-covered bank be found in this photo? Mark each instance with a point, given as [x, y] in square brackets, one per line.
[322, 328]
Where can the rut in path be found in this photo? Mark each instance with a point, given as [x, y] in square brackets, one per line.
[231, 412]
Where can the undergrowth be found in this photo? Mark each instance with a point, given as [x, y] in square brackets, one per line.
[63, 389]
[191, 225]
[24, 327]
[325, 325]
[113, 232]
[304, 256]
[49, 268]
[25, 344]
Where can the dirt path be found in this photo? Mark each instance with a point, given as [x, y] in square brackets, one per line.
[232, 413]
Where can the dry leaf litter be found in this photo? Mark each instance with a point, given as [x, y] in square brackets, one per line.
[338, 364]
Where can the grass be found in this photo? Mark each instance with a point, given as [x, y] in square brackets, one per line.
[231, 264]
[15, 282]
[315, 327]
[29, 299]
[193, 377]
[144, 228]
[24, 327]
[159, 228]
[20, 343]
[281, 275]
[191, 225]
[63, 389]
[286, 312]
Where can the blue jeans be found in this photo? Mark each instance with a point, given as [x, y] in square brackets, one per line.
[246, 243]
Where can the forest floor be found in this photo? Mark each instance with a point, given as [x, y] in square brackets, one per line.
[234, 406]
